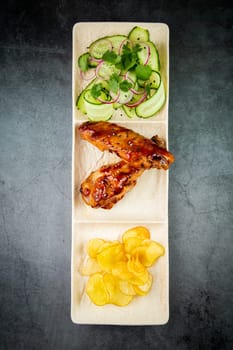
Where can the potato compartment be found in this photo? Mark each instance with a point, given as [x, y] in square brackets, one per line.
[152, 309]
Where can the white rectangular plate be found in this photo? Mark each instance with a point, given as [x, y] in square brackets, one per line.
[146, 204]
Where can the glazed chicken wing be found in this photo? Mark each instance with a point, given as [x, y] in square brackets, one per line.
[130, 146]
[107, 185]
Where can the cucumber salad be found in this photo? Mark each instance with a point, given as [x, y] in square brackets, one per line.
[123, 72]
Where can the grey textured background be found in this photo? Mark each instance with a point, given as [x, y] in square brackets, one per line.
[35, 175]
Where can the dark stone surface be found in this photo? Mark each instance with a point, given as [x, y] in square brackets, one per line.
[35, 175]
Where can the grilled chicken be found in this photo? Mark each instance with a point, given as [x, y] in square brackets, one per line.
[106, 186]
[130, 146]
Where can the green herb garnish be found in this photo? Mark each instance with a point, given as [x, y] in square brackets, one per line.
[129, 57]
[96, 90]
[125, 85]
[113, 82]
[111, 57]
[143, 72]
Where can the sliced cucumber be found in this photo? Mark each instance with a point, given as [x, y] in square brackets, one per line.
[143, 53]
[138, 88]
[141, 82]
[136, 97]
[138, 34]
[155, 80]
[129, 111]
[106, 69]
[90, 99]
[116, 41]
[98, 112]
[99, 47]
[151, 106]
[92, 63]
[125, 96]
[83, 61]
[116, 105]
[153, 61]
[80, 103]
[131, 77]
[80, 100]
[101, 118]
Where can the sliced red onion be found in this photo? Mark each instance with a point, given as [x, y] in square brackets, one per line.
[98, 68]
[136, 92]
[125, 41]
[135, 104]
[110, 102]
[89, 75]
[126, 77]
[97, 60]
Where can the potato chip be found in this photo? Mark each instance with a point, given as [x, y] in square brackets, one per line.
[115, 295]
[131, 243]
[93, 247]
[96, 290]
[139, 272]
[89, 267]
[149, 252]
[126, 287]
[140, 232]
[121, 271]
[108, 244]
[144, 288]
[110, 255]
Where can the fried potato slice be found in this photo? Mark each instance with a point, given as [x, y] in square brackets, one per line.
[121, 271]
[89, 267]
[140, 232]
[126, 287]
[138, 271]
[110, 256]
[148, 252]
[131, 243]
[144, 288]
[116, 296]
[94, 247]
[96, 290]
